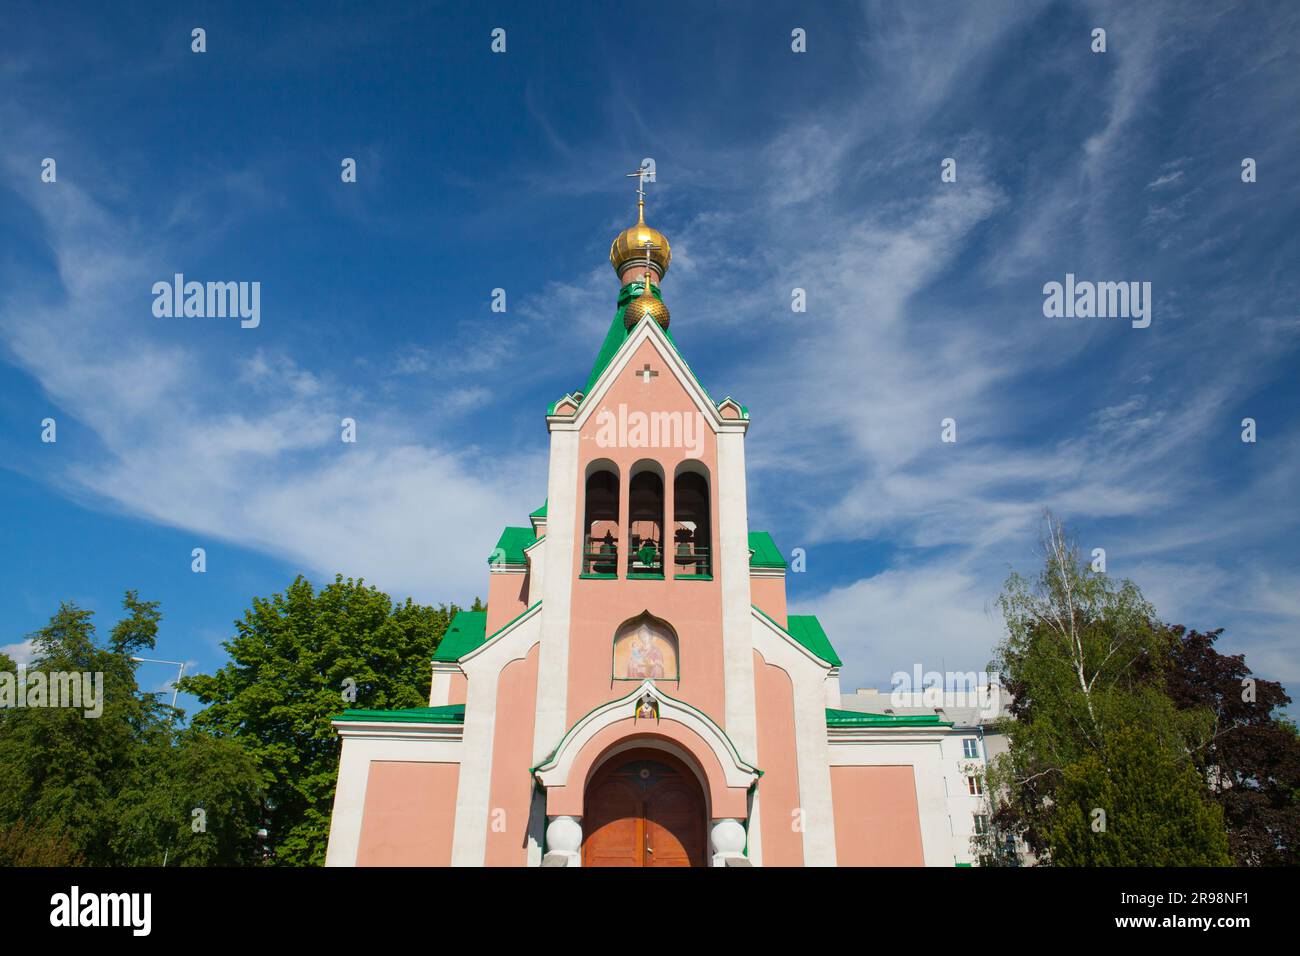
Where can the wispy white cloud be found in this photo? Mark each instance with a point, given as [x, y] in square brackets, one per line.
[21, 653]
[924, 303]
[847, 412]
[263, 464]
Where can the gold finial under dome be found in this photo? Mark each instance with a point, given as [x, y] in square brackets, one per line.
[643, 305]
[646, 303]
[630, 244]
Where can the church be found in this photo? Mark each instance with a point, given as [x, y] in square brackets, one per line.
[637, 692]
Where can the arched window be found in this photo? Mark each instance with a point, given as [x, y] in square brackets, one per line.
[692, 540]
[645, 647]
[600, 523]
[645, 498]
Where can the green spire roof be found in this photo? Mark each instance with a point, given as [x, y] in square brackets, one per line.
[617, 334]
[614, 340]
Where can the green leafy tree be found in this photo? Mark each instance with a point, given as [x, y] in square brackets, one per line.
[1139, 802]
[1251, 757]
[297, 660]
[1099, 754]
[196, 803]
[63, 769]
[22, 844]
[91, 789]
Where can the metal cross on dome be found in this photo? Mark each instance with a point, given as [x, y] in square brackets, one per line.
[640, 175]
[649, 247]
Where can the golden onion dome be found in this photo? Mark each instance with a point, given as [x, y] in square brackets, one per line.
[629, 249]
[643, 305]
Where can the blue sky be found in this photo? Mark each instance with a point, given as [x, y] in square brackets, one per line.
[776, 170]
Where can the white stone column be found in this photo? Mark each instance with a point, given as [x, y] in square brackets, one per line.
[349, 805]
[473, 790]
[732, 551]
[561, 557]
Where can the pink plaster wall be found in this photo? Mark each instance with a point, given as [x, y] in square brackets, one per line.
[778, 789]
[409, 814]
[693, 608]
[458, 688]
[876, 818]
[512, 786]
[507, 599]
[768, 595]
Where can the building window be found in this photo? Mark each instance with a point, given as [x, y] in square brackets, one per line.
[981, 824]
[974, 785]
[692, 556]
[600, 524]
[970, 748]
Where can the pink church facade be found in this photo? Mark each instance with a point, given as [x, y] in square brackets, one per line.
[637, 692]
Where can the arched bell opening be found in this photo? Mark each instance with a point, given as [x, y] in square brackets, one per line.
[600, 520]
[646, 520]
[692, 522]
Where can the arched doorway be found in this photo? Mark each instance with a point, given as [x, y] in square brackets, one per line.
[644, 808]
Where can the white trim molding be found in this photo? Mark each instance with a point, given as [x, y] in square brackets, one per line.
[646, 330]
[482, 667]
[554, 770]
[440, 683]
[808, 676]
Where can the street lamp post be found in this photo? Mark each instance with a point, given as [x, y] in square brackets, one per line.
[175, 690]
[176, 686]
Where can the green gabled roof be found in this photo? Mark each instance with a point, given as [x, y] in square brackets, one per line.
[448, 714]
[766, 554]
[808, 631]
[540, 512]
[467, 630]
[510, 546]
[813, 638]
[854, 718]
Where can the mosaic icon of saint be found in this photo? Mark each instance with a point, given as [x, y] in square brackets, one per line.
[646, 658]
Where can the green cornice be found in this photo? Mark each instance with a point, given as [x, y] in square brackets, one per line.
[448, 714]
[854, 718]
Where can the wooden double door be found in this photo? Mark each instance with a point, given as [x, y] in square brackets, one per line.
[644, 808]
